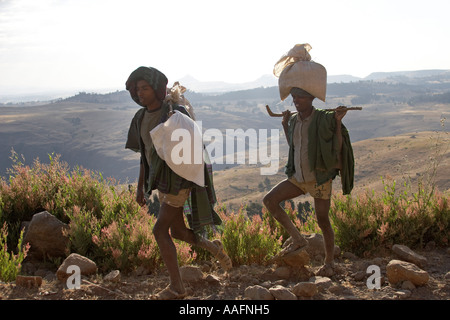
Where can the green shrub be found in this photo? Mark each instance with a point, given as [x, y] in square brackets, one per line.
[107, 225]
[10, 263]
[370, 223]
[249, 240]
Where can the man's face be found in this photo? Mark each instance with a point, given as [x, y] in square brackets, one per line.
[145, 93]
[302, 103]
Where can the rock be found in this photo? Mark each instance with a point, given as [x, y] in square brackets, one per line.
[212, 279]
[322, 283]
[301, 274]
[191, 273]
[336, 289]
[282, 293]
[398, 271]
[359, 276]
[403, 294]
[282, 272]
[266, 284]
[447, 276]
[141, 271]
[407, 254]
[305, 289]
[316, 246]
[29, 281]
[45, 234]
[41, 273]
[113, 276]
[408, 285]
[87, 266]
[258, 293]
[377, 261]
[349, 255]
[297, 260]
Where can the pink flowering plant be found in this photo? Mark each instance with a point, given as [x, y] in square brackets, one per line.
[370, 222]
[107, 225]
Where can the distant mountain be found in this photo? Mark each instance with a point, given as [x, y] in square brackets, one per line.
[343, 78]
[90, 129]
[221, 86]
[265, 81]
[407, 74]
[420, 78]
[269, 80]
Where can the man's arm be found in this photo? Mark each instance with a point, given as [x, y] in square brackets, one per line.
[285, 123]
[140, 199]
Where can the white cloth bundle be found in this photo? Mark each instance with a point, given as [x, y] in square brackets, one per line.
[178, 142]
[295, 69]
[175, 95]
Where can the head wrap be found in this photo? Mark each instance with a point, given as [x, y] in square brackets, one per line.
[295, 69]
[155, 78]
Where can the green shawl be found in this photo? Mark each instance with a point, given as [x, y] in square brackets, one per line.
[323, 150]
[199, 208]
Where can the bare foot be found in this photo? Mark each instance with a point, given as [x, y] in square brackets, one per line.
[169, 294]
[222, 256]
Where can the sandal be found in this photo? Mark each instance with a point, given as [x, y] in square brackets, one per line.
[169, 294]
[222, 256]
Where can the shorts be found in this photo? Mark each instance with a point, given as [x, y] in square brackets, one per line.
[321, 192]
[174, 200]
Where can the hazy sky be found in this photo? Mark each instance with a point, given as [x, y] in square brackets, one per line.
[95, 44]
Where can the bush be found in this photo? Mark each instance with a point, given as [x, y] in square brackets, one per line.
[10, 263]
[249, 240]
[371, 223]
[108, 226]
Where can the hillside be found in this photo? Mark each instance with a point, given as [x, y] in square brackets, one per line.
[393, 158]
[90, 129]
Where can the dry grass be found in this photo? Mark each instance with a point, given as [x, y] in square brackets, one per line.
[399, 157]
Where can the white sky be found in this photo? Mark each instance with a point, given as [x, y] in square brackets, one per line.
[95, 44]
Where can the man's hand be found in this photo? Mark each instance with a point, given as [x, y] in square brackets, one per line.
[340, 112]
[286, 116]
[140, 199]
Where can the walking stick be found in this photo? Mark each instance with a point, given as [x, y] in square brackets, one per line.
[280, 115]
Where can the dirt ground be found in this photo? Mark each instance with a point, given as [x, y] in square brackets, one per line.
[348, 283]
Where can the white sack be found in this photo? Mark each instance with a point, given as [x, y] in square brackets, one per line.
[295, 69]
[178, 142]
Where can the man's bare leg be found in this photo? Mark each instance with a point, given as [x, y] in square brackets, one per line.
[322, 207]
[166, 217]
[283, 191]
[179, 231]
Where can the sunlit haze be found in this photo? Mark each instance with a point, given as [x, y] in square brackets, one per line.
[94, 45]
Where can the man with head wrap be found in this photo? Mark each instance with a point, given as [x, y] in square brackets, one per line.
[319, 149]
[147, 87]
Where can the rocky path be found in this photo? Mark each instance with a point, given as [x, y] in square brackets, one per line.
[351, 281]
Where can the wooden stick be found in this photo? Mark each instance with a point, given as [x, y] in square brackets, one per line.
[280, 115]
[345, 108]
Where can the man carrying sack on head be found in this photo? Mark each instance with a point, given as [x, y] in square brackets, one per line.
[319, 150]
[177, 194]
